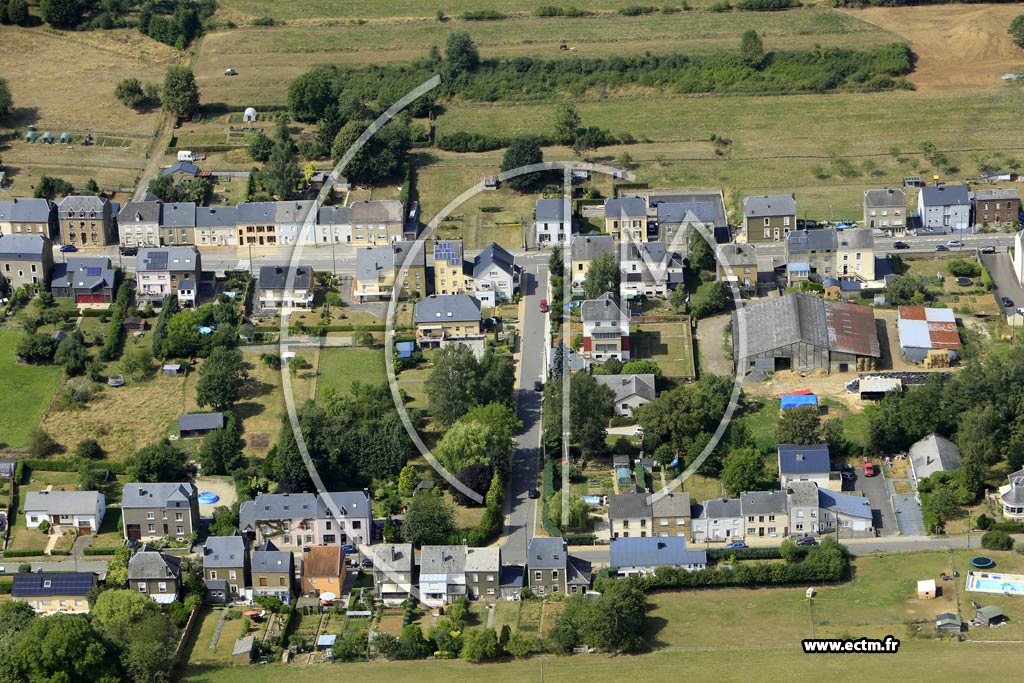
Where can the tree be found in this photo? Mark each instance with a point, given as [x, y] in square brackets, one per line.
[567, 123]
[311, 95]
[282, 174]
[908, 290]
[156, 462]
[88, 478]
[37, 349]
[520, 645]
[41, 444]
[15, 617]
[60, 13]
[522, 152]
[382, 156]
[116, 612]
[260, 146]
[138, 363]
[221, 378]
[221, 451]
[408, 479]
[997, 540]
[6, 101]
[590, 408]
[225, 520]
[1017, 30]
[89, 449]
[72, 354]
[834, 436]
[980, 434]
[61, 647]
[640, 367]
[801, 426]
[49, 187]
[129, 92]
[412, 644]
[451, 386]
[602, 276]
[182, 337]
[180, 93]
[17, 13]
[700, 254]
[478, 478]
[91, 188]
[148, 655]
[715, 300]
[752, 49]
[742, 471]
[429, 521]
[479, 644]
[460, 56]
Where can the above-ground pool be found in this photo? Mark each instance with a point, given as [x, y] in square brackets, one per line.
[988, 582]
[208, 498]
[982, 562]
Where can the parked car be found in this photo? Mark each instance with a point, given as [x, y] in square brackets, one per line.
[367, 563]
[68, 247]
[349, 549]
[533, 493]
[806, 540]
[941, 247]
[847, 475]
[1007, 302]
[538, 385]
[988, 250]
[639, 431]
[129, 251]
[544, 306]
[869, 469]
[735, 545]
[956, 244]
[900, 245]
[230, 72]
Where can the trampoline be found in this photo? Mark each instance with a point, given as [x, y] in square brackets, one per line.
[208, 498]
[982, 562]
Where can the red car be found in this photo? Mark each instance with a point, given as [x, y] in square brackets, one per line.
[544, 306]
[869, 469]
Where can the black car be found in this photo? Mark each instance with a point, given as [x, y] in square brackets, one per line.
[129, 251]
[1007, 302]
[900, 245]
[538, 385]
[367, 563]
[533, 493]
[941, 247]
[988, 250]
[806, 540]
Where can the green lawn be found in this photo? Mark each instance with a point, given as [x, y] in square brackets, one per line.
[198, 650]
[668, 344]
[340, 368]
[28, 390]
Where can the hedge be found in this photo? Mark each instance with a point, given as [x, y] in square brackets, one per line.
[95, 312]
[71, 465]
[769, 553]
[206, 148]
[98, 551]
[580, 539]
[1009, 527]
[24, 553]
[60, 552]
[549, 489]
[287, 626]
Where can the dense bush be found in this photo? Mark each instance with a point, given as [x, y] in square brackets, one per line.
[964, 268]
[637, 10]
[482, 15]
[756, 5]
[1017, 30]
[997, 540]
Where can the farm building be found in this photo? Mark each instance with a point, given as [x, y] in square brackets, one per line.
[805, 333]
[926, 330]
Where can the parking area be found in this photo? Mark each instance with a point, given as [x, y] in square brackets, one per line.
[908, 515]
[1000, 268]
[873, 488]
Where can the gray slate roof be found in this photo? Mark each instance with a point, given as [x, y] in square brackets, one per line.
[885, 197]
[671, 504]
[216, 216]
[934, 453]
[653, 552]
[442, 559]
[763, 502]
[447, 308]
[372, 262]
[293, 211]
[23, 247]
[345, 503]
[738, 255]
[493, 255]
[63, 502]
[84, 272]
[689, 212]
[43, 584]
[794, 459]
[200, 421]
[158, 259]
[769, 205]
[448, 250]
[802, 494]
[26, 210]
[276, 277]
[376, 211]
[85, 202]
[333, 215]
[945, 195]
[691, 200]
[629, 505]
[550, 210]
[393, 557]
[273, 506]
[589, 247]
[178, 215]
[807, 241]
[183, 167]
[256, 213]
[546, 553]
[856, 238]
[150, 563]
[625, 207]
[997, 193]
[604, 308]
[140, 212]
[224, 551]
[625, 386]
[158, 495]
[272, 560]
[720, 508]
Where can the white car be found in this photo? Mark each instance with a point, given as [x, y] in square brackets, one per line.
[954, 243]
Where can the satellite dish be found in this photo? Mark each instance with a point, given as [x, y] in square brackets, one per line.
[810, 593]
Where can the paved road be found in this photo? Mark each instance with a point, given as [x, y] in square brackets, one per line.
[1000, 268]
[875, 491]
[523, 510]
[918, 244]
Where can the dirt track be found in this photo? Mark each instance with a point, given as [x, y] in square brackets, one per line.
[965, 47]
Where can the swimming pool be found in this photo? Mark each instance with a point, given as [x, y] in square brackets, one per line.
[988, 582]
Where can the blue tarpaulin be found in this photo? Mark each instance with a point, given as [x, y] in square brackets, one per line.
[797, 400]
[405, 349]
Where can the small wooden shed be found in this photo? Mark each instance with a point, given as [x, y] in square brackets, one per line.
[927, 590]
[947, 622]
[243, 651]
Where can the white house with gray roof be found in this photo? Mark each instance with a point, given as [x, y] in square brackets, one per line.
[717, 520]
[27, 216]
[291, 217]
[804, 463]
[644, 555]
[945, 208]
[648, 269]
[765, 514]
[82, 510]
[285, 286]
[394, 569]
[26, 260]
[294, 520]
[155, 574]
[631, 391]
[138, 224]
[379, 269]
[162, 271]
[931, 454]
[605, 329]
[850, 515]
[333, 225]
[447, 317]
[442, 574]
[552, 222]
[495, 274]
[1011, 495]
[178, 224]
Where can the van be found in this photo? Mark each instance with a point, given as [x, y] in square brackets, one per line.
[186, 155]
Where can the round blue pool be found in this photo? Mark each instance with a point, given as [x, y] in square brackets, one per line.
[208, 498]
[982, 562]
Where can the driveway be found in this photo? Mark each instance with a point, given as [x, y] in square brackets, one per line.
[710, 332]
[908, 514]
[874, 489]
[1001, 269]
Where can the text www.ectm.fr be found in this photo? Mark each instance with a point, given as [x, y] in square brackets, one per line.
[889, 645]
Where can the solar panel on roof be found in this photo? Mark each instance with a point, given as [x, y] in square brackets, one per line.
[93, 271]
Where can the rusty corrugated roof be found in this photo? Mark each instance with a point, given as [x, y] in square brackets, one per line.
[851, 329]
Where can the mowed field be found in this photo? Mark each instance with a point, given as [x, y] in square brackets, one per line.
[269, 58]
[65, 83]
[28, 390]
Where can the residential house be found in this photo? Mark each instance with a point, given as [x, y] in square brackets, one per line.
[377, 222]
[767, 218]
[256, 224]
[393, 572]
[193, 425]
[631, 391]
[717, 520]
[844, 514]
[670, 515]
[630, 514]
[552, 570]
[625, 218]
[803, 505]
[552, 222]
[54, 592]
[446, 317]
[86, 221]
[86, 280]
[442, 574]
[648, 269]
[643, 555]
[810, 255]
[272, 572]
[296, 520]
[996, 208]
[931, 454]
[138, 224]
[737, 264]
[945, 208]
[584, 249]
[680, 210]
[286, 287]
[605, 329]
[855, 255]
[766, 513]
[804, 463]
[483, 572]
[1011, 495]
[378, 269]
[323, 570]
[495, 275]
[333, 225]
[178, 224]
[216, 226]
[925, 332]
[81, 510]
[452, 275]
[885, 209]
[805, 333]
[225, 569]
[291, 218]
[24, 216]
[155, 574]
[511, 581]
[183, 170]
[26, 260]
[162, 271]
[150, 511]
